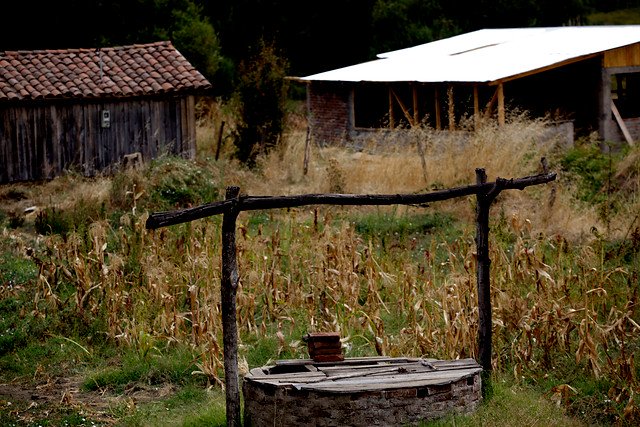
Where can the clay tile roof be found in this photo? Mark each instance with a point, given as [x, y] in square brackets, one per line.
[141, 69]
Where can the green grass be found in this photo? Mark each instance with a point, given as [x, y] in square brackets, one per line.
[15, 269]
[616, 17]
[188, 407]
[395, 234]
[173, 365]
[512, 404]
[30, 350]
[402, 225]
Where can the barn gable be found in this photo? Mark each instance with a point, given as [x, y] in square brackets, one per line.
[588, 77]
[87, 108]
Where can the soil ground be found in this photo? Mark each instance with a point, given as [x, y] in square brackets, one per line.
[29, 402]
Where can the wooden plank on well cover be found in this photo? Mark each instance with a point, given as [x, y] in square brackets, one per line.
[368, 374]
[349, 361]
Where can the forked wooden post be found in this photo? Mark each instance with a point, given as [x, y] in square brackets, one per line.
[228, 290]
[484, 199]
[482, 273]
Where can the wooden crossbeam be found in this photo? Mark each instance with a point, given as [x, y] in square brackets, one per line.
[250, 203]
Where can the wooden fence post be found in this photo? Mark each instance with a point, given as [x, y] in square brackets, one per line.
[219, 140]
[228, 289]
[307, 151]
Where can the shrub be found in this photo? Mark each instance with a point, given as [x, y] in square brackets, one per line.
[176, 182]
[52, 221]
[593, 168]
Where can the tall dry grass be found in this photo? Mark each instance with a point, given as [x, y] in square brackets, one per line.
[429, 159]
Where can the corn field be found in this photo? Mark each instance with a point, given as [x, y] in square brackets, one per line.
[560, 297]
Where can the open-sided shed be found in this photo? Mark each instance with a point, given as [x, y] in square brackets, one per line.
[587, 76]
[85, 109]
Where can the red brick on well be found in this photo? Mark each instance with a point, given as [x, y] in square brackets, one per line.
[324, 346]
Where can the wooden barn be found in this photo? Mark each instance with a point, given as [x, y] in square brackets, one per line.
[587, 79]
[85, 109]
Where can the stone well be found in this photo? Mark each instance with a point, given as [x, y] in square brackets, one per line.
[371, 391]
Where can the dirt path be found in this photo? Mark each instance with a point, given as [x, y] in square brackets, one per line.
[51, 399]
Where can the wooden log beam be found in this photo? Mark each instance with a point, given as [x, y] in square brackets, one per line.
[404, 109]
[501, 112]
[228, 290]
[247, 203]
[414, 95]
[476, 107]
[436, 97]
[392, 119]
[452, 111]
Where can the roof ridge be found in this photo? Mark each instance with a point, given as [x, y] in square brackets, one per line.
[166, 43]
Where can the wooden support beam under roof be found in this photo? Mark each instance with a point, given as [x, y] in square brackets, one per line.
[501, 112]
[452, 111]
[437, 108]
[392, 121]
[476, 107]
[416, 114]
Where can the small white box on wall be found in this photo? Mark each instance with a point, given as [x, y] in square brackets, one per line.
[105, 118]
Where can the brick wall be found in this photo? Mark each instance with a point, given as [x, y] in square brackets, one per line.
[329, 112]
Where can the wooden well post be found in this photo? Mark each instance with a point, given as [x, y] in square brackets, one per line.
[228, 290]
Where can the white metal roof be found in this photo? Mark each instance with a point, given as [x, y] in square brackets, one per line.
[486, 55]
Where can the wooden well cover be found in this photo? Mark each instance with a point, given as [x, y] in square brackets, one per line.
[360, 391]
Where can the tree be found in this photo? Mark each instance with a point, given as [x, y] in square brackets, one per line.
[261, 92]
[194, 36]
[398, 24]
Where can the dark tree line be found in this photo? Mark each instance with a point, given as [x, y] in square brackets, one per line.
[313, 36]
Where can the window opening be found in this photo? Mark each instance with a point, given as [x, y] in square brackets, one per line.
[625, 93]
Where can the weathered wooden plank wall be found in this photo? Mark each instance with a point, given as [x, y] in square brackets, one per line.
[40, 141]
